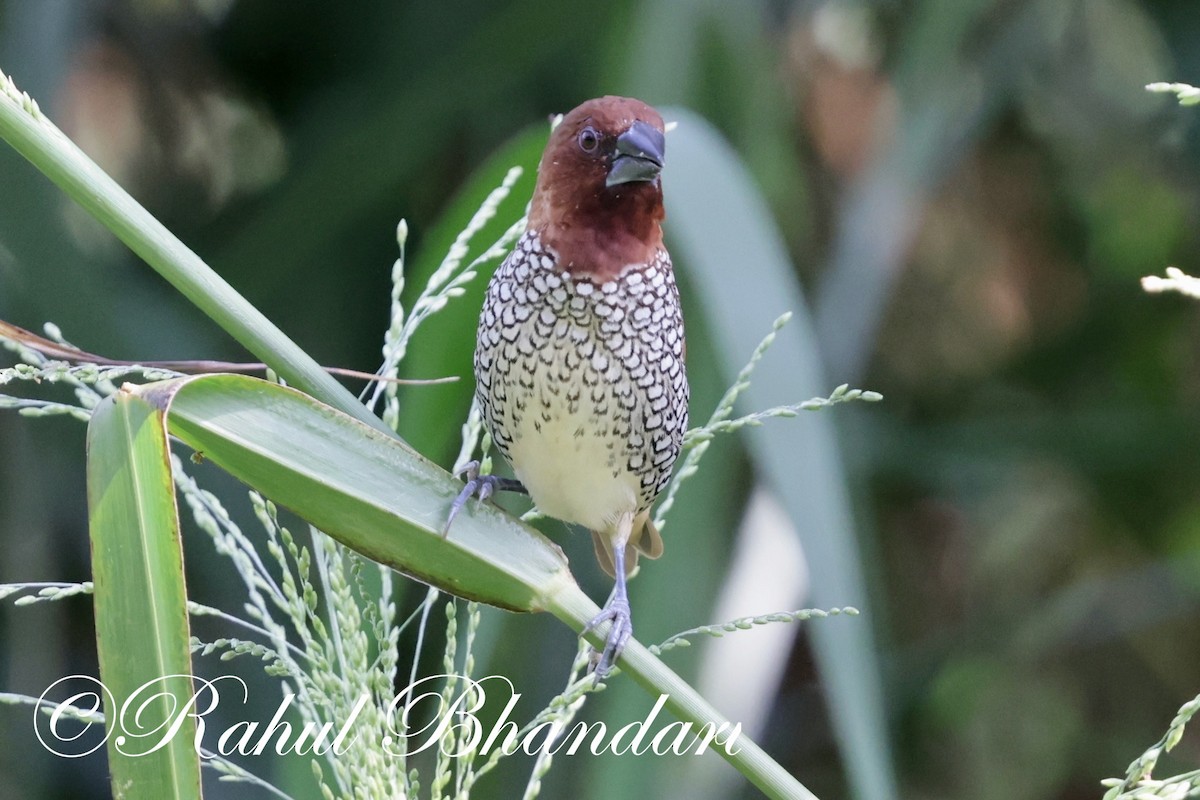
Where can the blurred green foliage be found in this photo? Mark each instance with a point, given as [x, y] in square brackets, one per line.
[968, 190]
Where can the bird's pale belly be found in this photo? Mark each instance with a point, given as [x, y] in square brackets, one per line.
[573, 468]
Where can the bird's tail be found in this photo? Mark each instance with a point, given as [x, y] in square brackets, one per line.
[644, 540]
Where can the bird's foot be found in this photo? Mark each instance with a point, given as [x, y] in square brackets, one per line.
[480, 486]
[618, 613]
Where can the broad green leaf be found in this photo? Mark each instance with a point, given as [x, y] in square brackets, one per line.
[140, 602]
[364, 488]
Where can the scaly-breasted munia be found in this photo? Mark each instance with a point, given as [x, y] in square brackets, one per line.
[579, 363]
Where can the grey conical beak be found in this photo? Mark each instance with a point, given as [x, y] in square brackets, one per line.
[639, 155]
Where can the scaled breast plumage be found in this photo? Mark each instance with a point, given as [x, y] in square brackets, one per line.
[574, 375]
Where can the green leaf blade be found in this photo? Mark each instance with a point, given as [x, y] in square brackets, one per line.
[140, 600]
[364, 488]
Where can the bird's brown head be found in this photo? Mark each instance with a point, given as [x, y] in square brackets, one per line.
[598, 202]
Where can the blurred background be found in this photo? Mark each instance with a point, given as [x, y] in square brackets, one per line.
[966, 193]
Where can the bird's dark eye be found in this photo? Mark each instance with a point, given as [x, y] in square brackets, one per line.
[589, 140]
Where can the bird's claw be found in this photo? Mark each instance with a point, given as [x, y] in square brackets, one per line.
[480, 486]
[617, 612]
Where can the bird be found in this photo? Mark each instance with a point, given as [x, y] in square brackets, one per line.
[579, 359]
